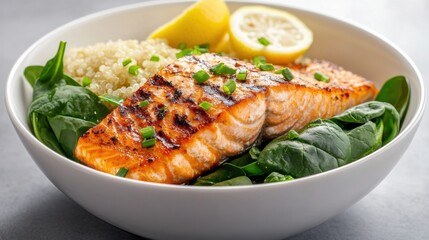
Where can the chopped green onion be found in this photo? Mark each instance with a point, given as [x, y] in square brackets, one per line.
[117, 101]
[205, 105]
[264, 41]
[287, 74]
[154, 58]
[148, 132]
[182, 45]
[204, 45]
[122, 172]
[134, 70]
[221, 68]
[147, 143]
[126, 62]
[202, 48]
[229, 87]
[266, 66]
[144, 103]
[86, 81]
[242, 75]
[201, 76]
[258, 60]
[321, 77]
[221, 53]
[184, 52]
[292, 134]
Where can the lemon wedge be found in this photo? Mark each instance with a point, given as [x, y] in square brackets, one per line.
[278, 35]
[204, 22]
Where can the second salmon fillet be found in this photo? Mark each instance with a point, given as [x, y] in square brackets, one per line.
[191, 140]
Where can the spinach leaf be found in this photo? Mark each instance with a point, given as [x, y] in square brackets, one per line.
[321, 146]
[242, 180]
[396, 91]
[43, 131]
[68, 130]
[371, 111]
[277, 177]
[73, 101]
[365, 139]
[61, 109]
[223, 173]
[32, 73]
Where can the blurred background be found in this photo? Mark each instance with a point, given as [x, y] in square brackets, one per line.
[32, 208]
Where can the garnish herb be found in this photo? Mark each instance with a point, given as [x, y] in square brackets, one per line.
[196, 50]
[266, 66]
[147, 143]
[264, 41]
[144, 103]
[154, 58]
[184, 52]
[122, 172]
[201, 76]
[126, 62]
[115, 100]
[321, 77]
[258, 60]
[242, 75]
[86, 81]
[134, 70]
[221, 68]
[229, 87]
[182, 46]
[287, 74]
[148, 132]
[205, 105]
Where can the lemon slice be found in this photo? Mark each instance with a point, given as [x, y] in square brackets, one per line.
[288, 37]
[204, 22]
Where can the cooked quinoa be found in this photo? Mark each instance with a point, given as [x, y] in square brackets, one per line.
[103, 64]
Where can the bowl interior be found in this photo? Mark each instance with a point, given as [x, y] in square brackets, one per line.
[348, 45]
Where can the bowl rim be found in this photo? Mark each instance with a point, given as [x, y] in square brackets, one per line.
[20, 126]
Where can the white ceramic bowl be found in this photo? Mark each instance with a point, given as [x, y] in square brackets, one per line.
[268, 211]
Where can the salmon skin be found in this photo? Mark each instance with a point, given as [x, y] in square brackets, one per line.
[190, 140]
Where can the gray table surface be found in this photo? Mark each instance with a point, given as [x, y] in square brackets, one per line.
[32, 208]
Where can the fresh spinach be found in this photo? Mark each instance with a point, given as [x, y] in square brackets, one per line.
[397, 92]
[242, 180]
[277, 177]
[320, 146]
[61, 109]
[32, 73]
[327, 144]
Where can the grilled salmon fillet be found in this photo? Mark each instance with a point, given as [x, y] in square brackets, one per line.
[190, 140]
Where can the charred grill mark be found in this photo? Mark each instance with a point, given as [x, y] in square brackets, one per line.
[114, 140]
[181, 121]
[176, 96]
[166, 141]
[139, 112]
[123, 111]
[161, 110]
[200, 61]
[142, 94]
[253, 87]
[158, 80]
[272, 77]
[201, 116]
[217, 93]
